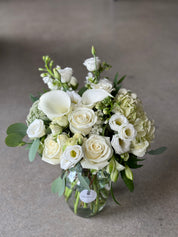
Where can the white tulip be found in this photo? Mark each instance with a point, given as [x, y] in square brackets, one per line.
[120, 146]
[92, 64]
[71, 156]
[54, 104]
[117, 120]
[97, 151]
[92, 96]
[66, 74]
[81, 120]
[36, 129]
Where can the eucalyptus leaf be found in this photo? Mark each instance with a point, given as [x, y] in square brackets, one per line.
[84, 182]
[14, 140]
[18, 128]
[58, 186]
[33, 149]
[129, 183]
[157, 151]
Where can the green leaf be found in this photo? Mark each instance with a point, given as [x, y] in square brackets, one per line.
[33, 98]
[129, 183]
[121, 80]
[157, 151]
[82, 90]
[112, 194]
[14, 140]
[132, 162]
[115, 79]
[58, 186]
[33, 149]
[83, 182]
[18, 128]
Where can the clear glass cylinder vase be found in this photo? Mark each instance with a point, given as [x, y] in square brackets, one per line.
[83, 202]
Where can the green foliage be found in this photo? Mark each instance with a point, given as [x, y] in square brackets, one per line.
[112, 194]
[33, 98]
[82, 90]
[117, 83]
[58, 186]
[84, 182]
[16, 133]
[33, 149]
[132, 162]
[128, 173]
[157, 151]
[17, 128]
[129, 183]
[13, 140]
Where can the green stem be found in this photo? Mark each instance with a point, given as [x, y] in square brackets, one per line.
[76, 202]
[96, 205]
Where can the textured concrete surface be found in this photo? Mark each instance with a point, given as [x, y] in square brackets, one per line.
[140, 39]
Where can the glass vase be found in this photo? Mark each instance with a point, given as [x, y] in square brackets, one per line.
[84, 202]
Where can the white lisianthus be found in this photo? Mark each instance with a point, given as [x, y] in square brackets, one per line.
[81, 120]
[139, 147]
[89, 78]
[53, 150]
[46, 79]
[97, 151]
[66, 74]
[74, 81]
[92, 64]
[104, 84]
[117, 120]
[127, 132]
[120, 146]
[75, 97]
[51, 85]
[92, 96]
[36, 129]
[71, 156]
[55, 104]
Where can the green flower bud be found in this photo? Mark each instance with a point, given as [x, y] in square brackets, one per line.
[128, 173]
[125, 156]
[93, 51]
[114, 175]
[43, 74]
[105, 111]
[57, 75]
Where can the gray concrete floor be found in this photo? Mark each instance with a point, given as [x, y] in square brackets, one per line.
[140, 39]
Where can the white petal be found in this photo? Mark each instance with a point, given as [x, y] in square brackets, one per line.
[55, 103]
[92, 96]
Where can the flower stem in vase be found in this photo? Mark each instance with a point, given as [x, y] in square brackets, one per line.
[77, 194]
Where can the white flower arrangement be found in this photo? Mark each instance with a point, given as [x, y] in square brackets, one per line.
[101, 127]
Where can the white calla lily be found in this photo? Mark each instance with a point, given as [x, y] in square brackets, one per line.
[55, 104]
[92, 96]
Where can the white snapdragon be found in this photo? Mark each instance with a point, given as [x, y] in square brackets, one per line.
[97, 152]
[71, 156]
[36, 129]
[92, 64]
[81, 120]
[120, 146]
[75, 97]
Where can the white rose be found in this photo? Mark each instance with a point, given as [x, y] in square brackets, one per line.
[54, 104]
[139, 147]
[66, 74]
[117, 120]
[127, 132]
[75, 97]
[36, 129]
[120, 146]
[81, 120]
[97, 151]
[104, 84]
[92, 96]
[53, 150]
[91, 64]
[71, 156]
